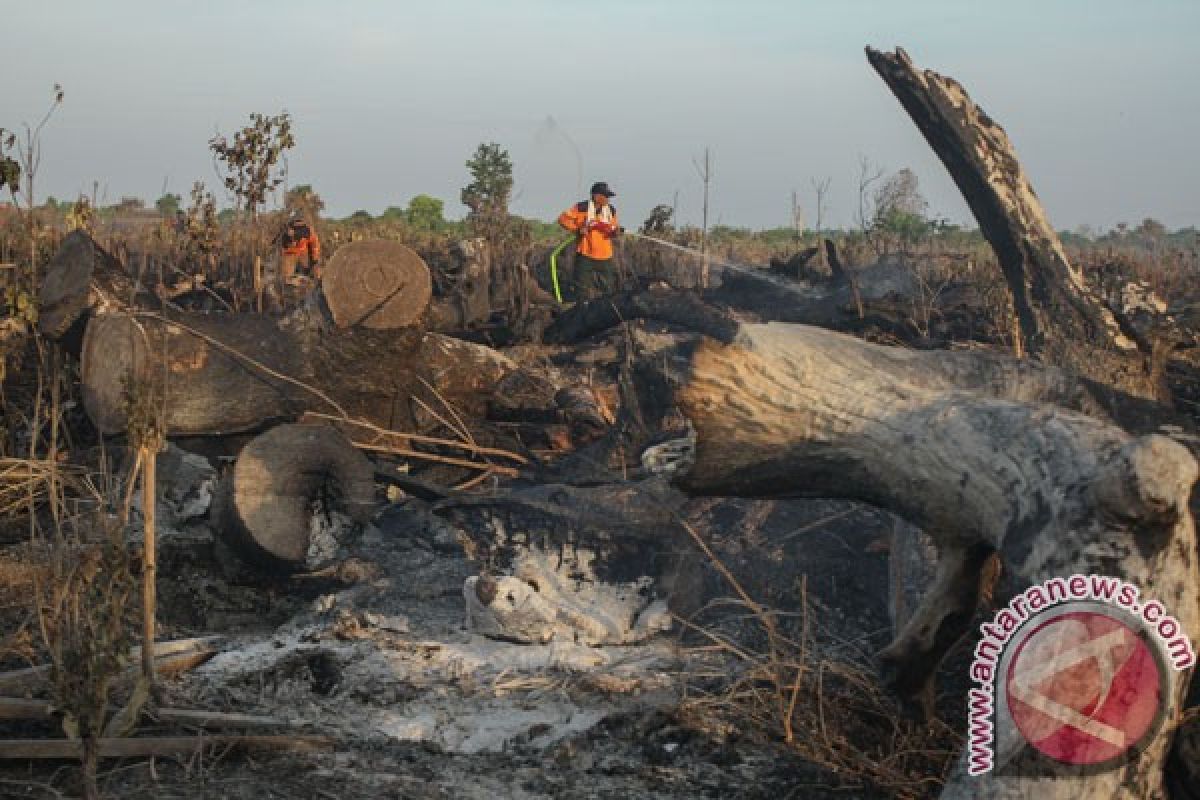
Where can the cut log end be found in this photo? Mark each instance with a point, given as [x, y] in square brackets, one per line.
[74, 279]
[377, 284]
[293, 490]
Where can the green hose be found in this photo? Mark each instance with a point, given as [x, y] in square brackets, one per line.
[554, 267]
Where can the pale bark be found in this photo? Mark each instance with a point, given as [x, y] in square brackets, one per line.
[787, 410]
[377, 284]
[290, 487]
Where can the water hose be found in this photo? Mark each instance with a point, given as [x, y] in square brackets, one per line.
[554, 267]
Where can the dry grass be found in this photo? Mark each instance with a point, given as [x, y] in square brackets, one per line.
[769, 675]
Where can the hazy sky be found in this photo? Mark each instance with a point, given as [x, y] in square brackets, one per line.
[390, 98]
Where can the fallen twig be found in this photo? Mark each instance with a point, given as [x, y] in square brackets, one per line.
[24, 749]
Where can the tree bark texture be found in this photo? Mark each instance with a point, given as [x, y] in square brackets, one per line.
[786, 410]
[79, 277]
[211, 386]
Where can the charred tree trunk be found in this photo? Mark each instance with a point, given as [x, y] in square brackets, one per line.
[293, 491]
[81, 276]
[238, 372]
[464, 288]
[207, 389]
[1000, 376]
[1061, 320]
[794, 410]
[835, 260]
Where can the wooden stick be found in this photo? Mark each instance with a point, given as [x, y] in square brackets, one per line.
[175, 646]
[473, 482]
[172, 665]
[258, 283]
[414, 437]
[15, 708]
[159, 746]
[172, 658]
[21, 708]
[149, 560]
[458, 462]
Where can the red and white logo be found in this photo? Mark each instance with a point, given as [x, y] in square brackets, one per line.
[1084, 688]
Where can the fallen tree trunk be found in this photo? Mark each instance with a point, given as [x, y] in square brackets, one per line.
[294, 492]
[1062, 321]
[793, 410]
[880, 297]
[232, 373]
[207, 390]
[997, 375]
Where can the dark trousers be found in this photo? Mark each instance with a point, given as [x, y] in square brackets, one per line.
[594, 277]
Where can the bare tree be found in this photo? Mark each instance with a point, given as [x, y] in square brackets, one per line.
[797, 216]
[821, 187]
[704, 170]
[24, 169]
[868, 173]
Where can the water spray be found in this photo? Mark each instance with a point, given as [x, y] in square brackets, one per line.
[691, 251]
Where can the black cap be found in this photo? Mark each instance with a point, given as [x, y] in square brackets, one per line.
[602, 188]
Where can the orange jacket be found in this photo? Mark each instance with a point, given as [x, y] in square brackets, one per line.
[301, 239]
[594, 242]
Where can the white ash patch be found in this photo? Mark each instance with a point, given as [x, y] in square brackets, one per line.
[551, 598]
[184, 487]
[328, 529]
[461, 692]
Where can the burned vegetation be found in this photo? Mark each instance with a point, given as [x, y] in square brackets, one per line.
[425, 531]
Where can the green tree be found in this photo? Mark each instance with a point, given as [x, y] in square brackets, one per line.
[659, 220]
[168, 204]
[303, 199]
[900, 207]
[202, 228]
[10, 168]
[1151, 229]
[425, 213]
[488, 193]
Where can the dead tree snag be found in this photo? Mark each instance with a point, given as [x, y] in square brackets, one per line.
[1061, 320]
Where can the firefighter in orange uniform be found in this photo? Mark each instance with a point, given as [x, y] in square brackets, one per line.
[300, 251]
[595, 222]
